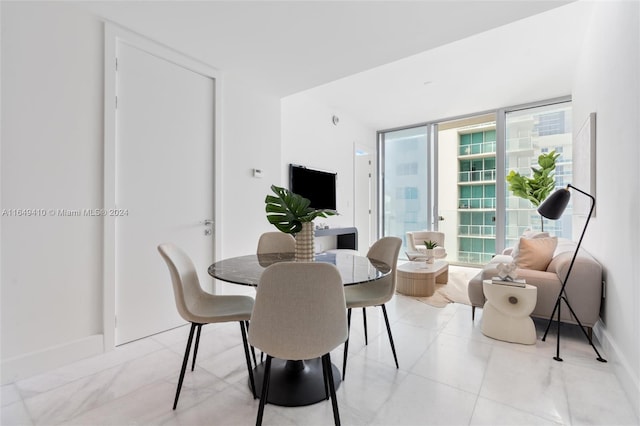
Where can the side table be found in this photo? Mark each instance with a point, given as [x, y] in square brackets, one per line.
[505, 315]
[419, 278]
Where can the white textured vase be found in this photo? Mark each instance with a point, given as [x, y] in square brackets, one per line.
[304, 243]
[430, 256]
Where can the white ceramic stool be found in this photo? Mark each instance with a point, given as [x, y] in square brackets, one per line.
[505, 315]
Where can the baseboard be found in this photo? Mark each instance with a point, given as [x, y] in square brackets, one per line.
[31, 364]
[621, 367]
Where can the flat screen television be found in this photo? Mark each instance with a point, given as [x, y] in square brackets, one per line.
[316, 185]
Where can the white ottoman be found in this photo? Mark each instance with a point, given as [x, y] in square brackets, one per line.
[505, 315]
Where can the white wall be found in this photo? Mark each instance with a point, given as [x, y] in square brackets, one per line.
[607, 83]
[310, 138]
[52, 158]
[251, 140]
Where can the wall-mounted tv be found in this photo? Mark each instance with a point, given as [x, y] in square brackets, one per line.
[316, 185]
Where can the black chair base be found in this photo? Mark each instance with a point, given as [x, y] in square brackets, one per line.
[346, 344]
[187, 350]
[328, 384]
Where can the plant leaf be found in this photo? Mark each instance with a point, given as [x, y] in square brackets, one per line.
[287, 211]
[537, 188]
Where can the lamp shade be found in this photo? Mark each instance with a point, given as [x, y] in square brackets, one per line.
[553, 207]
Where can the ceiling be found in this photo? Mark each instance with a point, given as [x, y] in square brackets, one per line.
[530, 60]
[284, 47]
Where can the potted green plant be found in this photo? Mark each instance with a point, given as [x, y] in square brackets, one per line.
[430, 245]
[538, 187]
[291, 213]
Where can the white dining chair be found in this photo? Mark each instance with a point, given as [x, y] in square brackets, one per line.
[299, 314]
[276, 242]
[376, 293]
[199, 307]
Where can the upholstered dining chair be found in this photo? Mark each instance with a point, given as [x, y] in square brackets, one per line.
[276, 242]
[376, 293]
[199, 307]
[299, 314]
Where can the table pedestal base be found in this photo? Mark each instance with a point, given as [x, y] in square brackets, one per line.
[295, 383]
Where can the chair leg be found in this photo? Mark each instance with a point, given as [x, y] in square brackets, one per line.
[346, 343]
[364, 318]
[245, 345]
[265, 390]
[328, 373]
[184, 364]
[393, 348]
[253, 351]
[473, 313]
[195, 349]
[326, 381]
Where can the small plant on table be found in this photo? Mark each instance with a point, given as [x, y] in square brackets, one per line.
[430, 245]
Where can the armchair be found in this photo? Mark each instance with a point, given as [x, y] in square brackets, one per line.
[416, 247]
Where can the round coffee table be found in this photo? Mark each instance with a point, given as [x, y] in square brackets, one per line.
[419, 278]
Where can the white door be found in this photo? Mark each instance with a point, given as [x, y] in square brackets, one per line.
[164, 185]
[362, 197]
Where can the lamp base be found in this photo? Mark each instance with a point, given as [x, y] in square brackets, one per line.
[562, 297]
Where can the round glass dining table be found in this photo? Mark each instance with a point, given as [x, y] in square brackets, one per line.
[246, 270]
[297, 383]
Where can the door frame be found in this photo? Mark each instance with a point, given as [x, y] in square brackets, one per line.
[113, 35]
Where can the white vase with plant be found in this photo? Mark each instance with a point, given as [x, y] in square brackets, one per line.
[429, 246]
[291, 214]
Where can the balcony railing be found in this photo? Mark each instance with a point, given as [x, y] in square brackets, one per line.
[477, 203]
[477, 176]
[477, 148]
[477, 230]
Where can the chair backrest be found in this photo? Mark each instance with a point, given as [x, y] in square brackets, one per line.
[300, 311]
[186, 286]
[416, 239]
[276, 242]
[386, 250]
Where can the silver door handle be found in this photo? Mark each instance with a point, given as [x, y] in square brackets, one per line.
[207, 222]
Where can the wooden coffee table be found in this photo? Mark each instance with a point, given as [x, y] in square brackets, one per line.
[419, 278]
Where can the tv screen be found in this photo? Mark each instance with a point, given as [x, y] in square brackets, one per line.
[316, 185]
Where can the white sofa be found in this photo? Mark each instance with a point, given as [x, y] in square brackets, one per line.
[583, 290]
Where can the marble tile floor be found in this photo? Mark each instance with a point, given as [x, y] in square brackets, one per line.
[450, 374]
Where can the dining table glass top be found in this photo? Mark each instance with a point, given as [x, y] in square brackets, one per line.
[246, 270]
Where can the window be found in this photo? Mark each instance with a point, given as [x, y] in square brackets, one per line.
[530, 132]
[448, 176]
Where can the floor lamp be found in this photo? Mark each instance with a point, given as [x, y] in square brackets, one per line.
[553, 208]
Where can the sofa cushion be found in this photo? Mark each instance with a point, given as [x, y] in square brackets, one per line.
[535, 253]
[526, 234]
